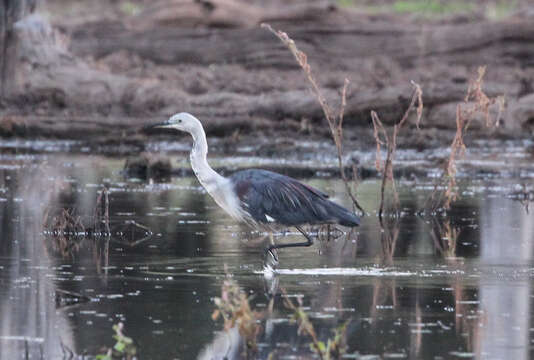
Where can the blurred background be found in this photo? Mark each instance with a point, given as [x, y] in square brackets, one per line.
[102, 68]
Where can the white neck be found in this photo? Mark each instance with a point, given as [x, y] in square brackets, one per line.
[216, 185]
[208, 177]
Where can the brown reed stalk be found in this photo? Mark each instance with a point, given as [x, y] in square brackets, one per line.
[304, 323]
[334, 119]
[234, 307]
[475, 101]
[390, 141]
[101, 212]
[65, 229]
[334, 348]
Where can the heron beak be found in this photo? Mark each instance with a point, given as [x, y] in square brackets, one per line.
[162, 125]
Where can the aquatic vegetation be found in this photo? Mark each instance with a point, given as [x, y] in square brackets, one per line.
[445, 237]
[66, 230]
[335, 123]
[391, 145]
[234, 307]
[334, 118]
[475, 102]
[124, 348]
[334, 347]
[389, 234]
[101, 213]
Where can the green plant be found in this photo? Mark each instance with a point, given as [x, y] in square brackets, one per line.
[432, 7]
[129, 8]
[124, 348]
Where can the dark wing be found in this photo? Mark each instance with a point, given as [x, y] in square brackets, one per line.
[271, 197]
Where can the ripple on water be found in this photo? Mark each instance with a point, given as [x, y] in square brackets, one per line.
[341, 271]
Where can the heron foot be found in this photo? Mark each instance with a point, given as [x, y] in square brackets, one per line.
[271, 256]
[271, 289]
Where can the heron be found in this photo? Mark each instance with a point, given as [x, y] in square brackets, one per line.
[263, 199]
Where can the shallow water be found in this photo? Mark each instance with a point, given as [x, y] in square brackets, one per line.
[427, 286]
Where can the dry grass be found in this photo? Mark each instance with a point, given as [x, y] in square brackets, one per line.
[475, 101]
[390, 226]
[334, 348]
[234, 307]
[66, 231]
[390, 230]
[333, 117]
[390, 141]
[445, 237]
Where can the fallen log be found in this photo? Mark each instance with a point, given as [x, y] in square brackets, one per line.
[333, 45]
[383, 56]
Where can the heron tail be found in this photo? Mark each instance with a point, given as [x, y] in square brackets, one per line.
[343, 216]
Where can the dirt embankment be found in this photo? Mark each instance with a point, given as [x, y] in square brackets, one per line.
[110, 75]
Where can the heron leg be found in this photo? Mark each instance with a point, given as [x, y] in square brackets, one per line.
[272, 248]
[309, 242]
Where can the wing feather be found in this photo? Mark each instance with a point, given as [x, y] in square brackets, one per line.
[270, 197]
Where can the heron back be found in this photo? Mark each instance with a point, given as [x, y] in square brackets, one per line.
[269, 197]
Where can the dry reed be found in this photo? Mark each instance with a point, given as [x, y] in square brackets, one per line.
[234, 307]
[334, 118]
[334, 347]
[475, 101]
[390, 141]
[66, 232]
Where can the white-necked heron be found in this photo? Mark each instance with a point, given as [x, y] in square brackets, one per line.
[263, 199]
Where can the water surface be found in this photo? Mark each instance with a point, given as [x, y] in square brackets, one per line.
[429, 286]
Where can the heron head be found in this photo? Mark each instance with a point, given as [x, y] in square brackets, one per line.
[182, 121]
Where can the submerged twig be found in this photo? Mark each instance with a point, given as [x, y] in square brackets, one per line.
[101, 217]
[101, 213]
[66, 231]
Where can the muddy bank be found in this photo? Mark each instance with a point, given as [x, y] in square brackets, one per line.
[421, 154]
[104, 78]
